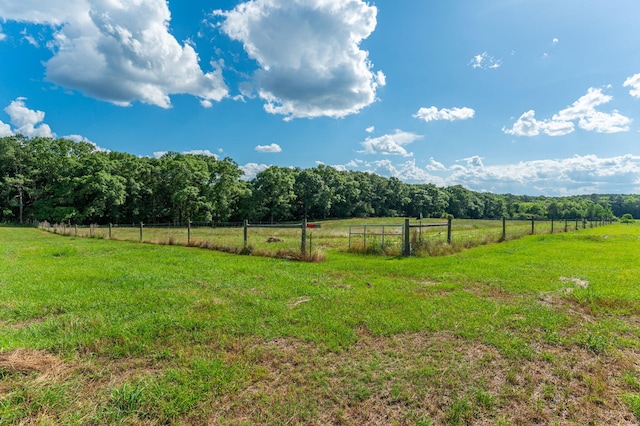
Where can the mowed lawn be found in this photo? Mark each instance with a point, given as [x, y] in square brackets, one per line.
[544, 329]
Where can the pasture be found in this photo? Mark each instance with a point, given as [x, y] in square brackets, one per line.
[541, 329]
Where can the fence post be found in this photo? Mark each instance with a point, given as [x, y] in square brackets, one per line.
[189, 232]
[110, 229]
[566, 225]
[449, 223]
[406, 232]
[246, 233]
[533, 225]
[141, 226]
[584, 223]
[552, 225]
[303, 242]
[76, 229]
[504, 229]
[576, 224]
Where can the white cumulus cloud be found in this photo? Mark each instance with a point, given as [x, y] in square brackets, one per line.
[119, 51]
[273, 148]
[251, 170]
[576, 175]
[26, 121]
[634, 83]
[204, 152]
[433, 114]
[5, 130]
[391, 144]
[583, 111]
[528, 125]
[308, 53]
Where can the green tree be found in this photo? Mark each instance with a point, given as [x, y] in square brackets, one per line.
[273, 193]
[627, 218]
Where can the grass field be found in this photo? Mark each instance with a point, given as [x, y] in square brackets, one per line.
[539, 330]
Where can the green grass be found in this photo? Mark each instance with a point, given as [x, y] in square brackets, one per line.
[539, 329]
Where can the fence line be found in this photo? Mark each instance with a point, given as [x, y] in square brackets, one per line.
[408, 238]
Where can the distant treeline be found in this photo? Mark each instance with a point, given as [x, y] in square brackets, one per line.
[61, 180]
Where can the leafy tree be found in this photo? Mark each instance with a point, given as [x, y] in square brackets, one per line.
[273, 193]
[627, 218]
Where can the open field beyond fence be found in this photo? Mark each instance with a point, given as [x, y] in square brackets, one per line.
[374, 236]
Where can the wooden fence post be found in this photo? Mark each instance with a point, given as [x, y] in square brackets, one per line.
[189, 232]
[566, 225]
[303, 242]
[246, 233]
[406, 232]
[504, 229]
[110, 230]
[552, 225]
[449, 226]
[533, 225]
[141, 226]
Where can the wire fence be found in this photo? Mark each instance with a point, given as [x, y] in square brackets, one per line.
[306, 240]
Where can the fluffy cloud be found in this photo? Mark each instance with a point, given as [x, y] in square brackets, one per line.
[5, 130]
[250, 170]
[392, 144]
[527, 125]
[2, 35]
[25, 121]
[576, 175]
[309, 54]
[80, 138]
[432, 114]
[118, 51]
[204, 152]
[634, 83]
[586, 174]
[583, 111]
[435, 166]
[273, 148]
[485, 61]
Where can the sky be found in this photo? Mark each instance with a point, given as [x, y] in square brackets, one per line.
[529, 97]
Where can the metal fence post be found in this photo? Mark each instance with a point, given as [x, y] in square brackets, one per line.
[406, 251]
[303, 242]
[246, 233]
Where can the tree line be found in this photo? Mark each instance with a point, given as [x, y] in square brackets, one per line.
[61, 180]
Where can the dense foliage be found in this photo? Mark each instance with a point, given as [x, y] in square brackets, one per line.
[63, 180]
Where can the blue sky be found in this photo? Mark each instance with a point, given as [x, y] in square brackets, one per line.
[526, 97]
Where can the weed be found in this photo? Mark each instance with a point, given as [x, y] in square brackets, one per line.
[459, 411]
[597, 343]
[128, 399]
[633, 402]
